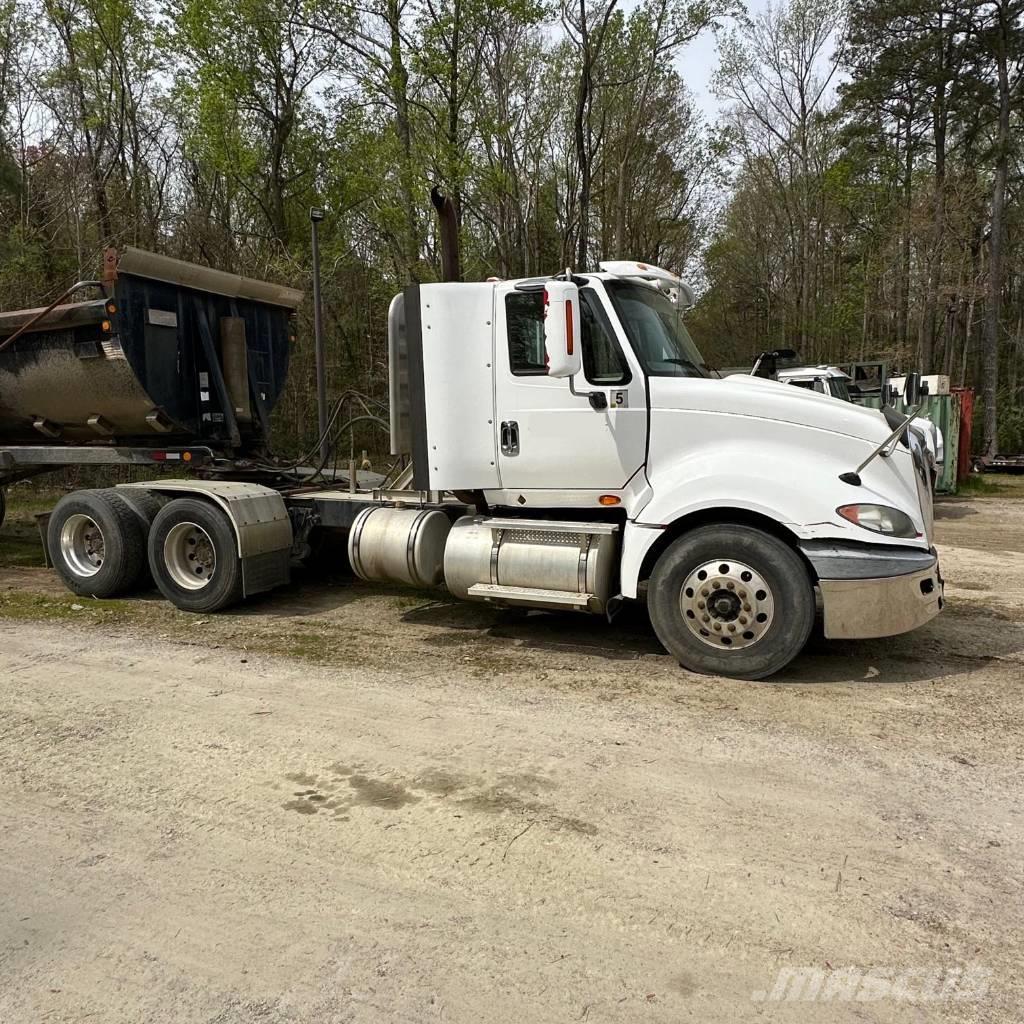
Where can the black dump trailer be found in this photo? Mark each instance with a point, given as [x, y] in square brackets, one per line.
[166, 361]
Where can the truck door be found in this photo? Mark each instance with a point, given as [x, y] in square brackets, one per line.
[550, 438]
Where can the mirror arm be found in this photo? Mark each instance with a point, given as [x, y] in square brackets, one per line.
[854, 477]
[598, 399]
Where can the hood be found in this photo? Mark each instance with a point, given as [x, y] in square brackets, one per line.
[743, 395]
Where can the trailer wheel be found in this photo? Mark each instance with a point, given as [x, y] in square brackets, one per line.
[96, 544]
[193, 556]
[731, 600]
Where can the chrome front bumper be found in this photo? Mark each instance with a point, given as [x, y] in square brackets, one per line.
[882, 606]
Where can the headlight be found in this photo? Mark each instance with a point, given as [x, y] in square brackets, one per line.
[880, 519]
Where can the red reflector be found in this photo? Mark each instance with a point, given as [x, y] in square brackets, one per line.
[568, 328]
[158, 456]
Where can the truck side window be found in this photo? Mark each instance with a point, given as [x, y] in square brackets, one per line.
[603, 361]
[524, 315]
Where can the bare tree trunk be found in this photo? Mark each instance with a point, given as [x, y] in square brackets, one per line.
[990, 349]
[931, 310]
[403, 126]
[903, 280]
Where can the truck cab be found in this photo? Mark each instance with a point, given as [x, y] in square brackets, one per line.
[825, 380]
[585, 398]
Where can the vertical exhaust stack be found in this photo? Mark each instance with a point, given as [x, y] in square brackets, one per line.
[451, 268]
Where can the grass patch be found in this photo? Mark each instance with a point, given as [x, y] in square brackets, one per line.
[26, 500]
[46, 608]
[20, 545]
[21, 548]
[976, 483]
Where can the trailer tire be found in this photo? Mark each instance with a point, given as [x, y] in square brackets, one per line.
[731, 600]
[193, 556]
[96, 544]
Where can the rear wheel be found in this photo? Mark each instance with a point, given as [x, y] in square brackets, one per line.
[96, 544]
[193, 556]
[145, 504]
[731, 600]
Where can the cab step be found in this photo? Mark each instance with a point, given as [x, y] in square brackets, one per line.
[532, 596]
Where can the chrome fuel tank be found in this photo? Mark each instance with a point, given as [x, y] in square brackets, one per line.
[540, 563]
[399, 545]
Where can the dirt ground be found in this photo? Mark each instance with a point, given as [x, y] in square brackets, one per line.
[341, 803]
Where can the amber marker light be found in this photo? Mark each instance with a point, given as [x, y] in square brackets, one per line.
[609, 499]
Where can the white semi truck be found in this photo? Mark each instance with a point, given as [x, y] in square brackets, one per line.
[568, 449]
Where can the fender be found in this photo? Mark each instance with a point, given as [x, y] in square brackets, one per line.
[259, 518]
[725, 474]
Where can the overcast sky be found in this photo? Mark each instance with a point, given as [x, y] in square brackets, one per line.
[698, 62]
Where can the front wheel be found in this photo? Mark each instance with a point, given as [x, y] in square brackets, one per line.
[193, 556]
[731, 600]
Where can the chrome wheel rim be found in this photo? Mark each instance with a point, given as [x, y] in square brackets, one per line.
[81, 545]
[189, 556]
[727, 604]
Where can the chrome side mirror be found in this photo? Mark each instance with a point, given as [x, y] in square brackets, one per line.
[562, 340]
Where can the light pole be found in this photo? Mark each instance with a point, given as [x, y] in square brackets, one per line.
[316, 214]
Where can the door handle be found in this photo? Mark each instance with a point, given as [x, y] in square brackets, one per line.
[509, 437]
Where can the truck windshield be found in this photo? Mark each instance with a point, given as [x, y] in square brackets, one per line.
[840, 389]
[655, 330]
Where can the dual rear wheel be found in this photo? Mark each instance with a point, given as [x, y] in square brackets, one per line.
[109, 542]
[193, 556]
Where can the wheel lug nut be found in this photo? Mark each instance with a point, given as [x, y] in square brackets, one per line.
[730, 585]
[718, 626]
[705, 592]
[732, 628]
[746, 607]
[707, 618]
[700, 604]
[743, 620]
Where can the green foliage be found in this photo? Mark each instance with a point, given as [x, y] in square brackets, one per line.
[807, 214]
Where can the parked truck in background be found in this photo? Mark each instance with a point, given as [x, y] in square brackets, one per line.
[565, 447]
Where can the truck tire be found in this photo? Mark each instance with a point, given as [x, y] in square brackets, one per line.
[731, 600]
[193, 556]
[96, 544]
[145, 504]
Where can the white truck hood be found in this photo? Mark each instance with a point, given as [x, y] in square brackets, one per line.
[743, 395]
